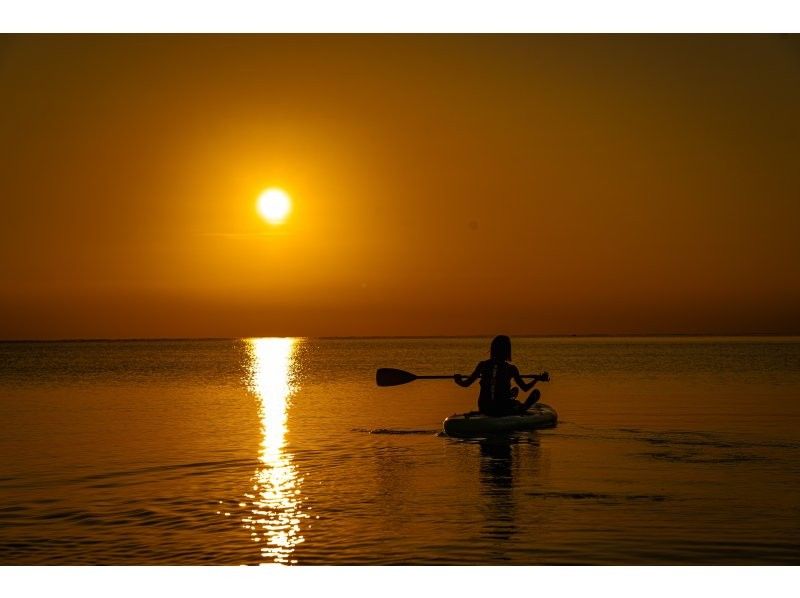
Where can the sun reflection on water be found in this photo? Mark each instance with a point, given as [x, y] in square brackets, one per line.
[276, 502]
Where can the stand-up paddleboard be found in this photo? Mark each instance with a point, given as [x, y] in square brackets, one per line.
[475, 423]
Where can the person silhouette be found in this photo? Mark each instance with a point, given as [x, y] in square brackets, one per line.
[497, 397]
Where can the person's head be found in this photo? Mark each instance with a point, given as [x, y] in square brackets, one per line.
[500, 348]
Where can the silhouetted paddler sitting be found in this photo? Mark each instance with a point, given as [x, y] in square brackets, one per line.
[497, 397]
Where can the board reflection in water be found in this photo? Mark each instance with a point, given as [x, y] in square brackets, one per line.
[275, 504]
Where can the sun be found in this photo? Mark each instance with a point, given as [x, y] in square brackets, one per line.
[274, 205]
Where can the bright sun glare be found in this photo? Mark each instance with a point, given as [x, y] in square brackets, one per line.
[274, 205]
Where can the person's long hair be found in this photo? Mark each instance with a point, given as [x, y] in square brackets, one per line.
[500, 349]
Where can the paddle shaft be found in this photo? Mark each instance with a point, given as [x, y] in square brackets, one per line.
[454, 375]
[395, 377]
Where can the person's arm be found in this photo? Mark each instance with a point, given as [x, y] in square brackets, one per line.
[526, 386]
[466, 381]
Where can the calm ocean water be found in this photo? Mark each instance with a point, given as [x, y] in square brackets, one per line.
[668, 451]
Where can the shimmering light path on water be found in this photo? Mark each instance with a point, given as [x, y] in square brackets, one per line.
[276, 514]
[265, 451]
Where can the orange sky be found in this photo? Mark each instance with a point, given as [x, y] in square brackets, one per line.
[441, 185]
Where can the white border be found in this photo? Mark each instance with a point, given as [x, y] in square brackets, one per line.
[397, 16]
[403, 582]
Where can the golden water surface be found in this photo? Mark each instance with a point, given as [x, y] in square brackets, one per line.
[281, 451]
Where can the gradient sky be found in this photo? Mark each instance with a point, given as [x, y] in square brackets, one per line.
[441, 185]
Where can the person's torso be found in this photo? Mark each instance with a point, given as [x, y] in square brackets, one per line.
[495, 380]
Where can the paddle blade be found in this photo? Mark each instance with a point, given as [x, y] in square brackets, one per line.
[393, 377]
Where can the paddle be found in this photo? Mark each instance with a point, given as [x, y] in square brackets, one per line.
[394, 377]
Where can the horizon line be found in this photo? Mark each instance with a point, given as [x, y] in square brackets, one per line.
[408, 337]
